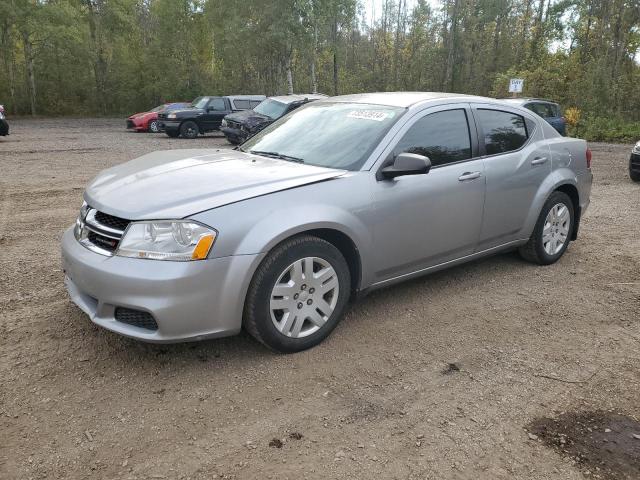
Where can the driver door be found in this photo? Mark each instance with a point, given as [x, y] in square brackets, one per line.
[428, 219]
[216, 110]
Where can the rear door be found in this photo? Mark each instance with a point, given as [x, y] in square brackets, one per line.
[517, 160]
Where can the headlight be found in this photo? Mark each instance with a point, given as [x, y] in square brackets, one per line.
[171, 115]
[1, 116]
[84, 209]
[180, 241]
[636, 148]
[224, 122]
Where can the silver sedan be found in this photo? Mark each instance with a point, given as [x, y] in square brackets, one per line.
[340, 197]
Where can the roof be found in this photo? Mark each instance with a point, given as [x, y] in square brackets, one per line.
[299, 97]
[246, 97]
[520, 101]
[402, 99]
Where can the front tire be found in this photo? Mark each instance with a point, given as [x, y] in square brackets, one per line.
[153, 126]
[553, 230]
[189, 129]
[298, 294]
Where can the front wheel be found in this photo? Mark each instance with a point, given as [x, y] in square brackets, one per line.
[189, 129]
[298, 294]
[552, 233]
[153, 126]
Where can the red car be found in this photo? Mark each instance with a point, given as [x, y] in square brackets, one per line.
[148, 121]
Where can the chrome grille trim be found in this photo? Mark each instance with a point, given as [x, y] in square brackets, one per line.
[88, 225]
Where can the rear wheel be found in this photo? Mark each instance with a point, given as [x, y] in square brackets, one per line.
[552, 232]
[189, 129]
[153, 126]
[298, 294]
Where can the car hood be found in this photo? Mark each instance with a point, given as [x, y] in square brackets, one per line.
[248, 117]
[138, 115]
[179, 183]
[186, 112]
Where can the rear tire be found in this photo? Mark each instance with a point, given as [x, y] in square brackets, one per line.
[189, 129]
[298, 294]
[553, 230]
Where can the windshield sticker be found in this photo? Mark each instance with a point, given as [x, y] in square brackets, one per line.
[369, 115]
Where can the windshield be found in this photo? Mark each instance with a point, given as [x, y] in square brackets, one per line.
[271, 108]
[334, 135]
[157, 109]
[200, 102]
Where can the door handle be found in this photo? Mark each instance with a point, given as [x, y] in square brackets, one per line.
[539, 161]
[469, 176]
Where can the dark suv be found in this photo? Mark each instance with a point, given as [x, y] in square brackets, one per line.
[237, 127]
[4, 126]
[205, 114]
[547, 109]
[634, 163]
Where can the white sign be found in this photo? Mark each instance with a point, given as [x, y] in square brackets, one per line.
[515, 85]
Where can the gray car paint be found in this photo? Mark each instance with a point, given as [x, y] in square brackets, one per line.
[401, 228]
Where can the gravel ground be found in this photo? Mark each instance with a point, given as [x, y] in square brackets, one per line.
[378, 399]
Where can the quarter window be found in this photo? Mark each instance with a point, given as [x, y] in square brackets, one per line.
[441, 136]
[242, 104]
[503, 131]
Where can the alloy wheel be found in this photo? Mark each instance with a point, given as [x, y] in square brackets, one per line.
[304, 297]
[555, 232]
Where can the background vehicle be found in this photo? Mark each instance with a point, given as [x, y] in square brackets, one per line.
[547, 109]
[299, 218]
[239, 126]
[4, 125]
[148, 121]
[205, 114]
[634, 163]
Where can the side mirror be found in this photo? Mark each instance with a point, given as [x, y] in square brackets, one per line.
[406, 164]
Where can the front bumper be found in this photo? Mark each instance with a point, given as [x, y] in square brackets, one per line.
[234, 134]
[634, 163]
[4, 127]
[170, 124]
[188, 300]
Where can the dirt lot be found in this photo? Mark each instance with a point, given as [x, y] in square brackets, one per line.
[377, 400]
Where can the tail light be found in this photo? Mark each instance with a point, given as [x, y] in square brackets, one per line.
[588, 158]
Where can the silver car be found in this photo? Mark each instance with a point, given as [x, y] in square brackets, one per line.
[340, 197]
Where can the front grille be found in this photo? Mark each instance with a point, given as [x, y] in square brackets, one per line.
[130, 124]
[111, 221]
[103, 242]
[162, 116]
[101, 232]
[137, 318]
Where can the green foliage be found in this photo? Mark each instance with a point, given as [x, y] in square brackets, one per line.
[600, 129]
[62, 57]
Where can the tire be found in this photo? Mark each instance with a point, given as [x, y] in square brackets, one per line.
[172, 133]
[559, 227]
[153, 126]
[189, 129]
[285, 330]
[635, 176]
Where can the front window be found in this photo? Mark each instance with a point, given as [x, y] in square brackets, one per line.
[158, 109]
[271, 108]
[333, 135]
[441, 136]
[200, 102]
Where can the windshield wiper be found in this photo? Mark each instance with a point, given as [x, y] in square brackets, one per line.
[280, 156]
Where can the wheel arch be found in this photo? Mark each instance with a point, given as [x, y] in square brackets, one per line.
[572, 192]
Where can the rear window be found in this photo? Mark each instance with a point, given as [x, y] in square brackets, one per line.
[503, 131]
